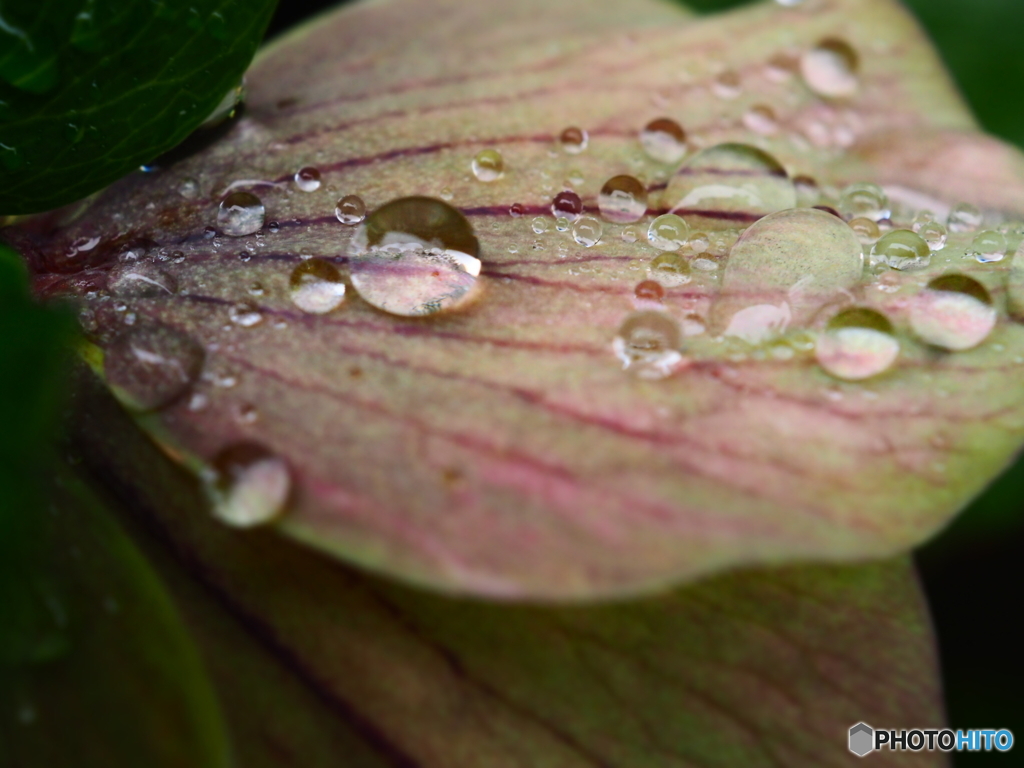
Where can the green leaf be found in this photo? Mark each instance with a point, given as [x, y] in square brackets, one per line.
[317, 662]
[92, 89]
[501, 448]
[96, 670]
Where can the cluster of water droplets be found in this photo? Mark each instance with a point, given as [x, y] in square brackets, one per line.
[740, 259]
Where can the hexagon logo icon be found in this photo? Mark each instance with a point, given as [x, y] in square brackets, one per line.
[862, 738]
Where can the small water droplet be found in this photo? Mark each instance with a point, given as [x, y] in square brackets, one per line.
[830, 69]
[761, 119]
[920, 219]
[670, 268]
[866, 230]
[307, 179]
[668, 232]
[350, 210]
[964, 217]
[516, 210]
[562, 224]
[189, 189]
[864, 200]
[240, 213]
[246, 413]
[934, 234]
[273, 227]
[245, 314]
[954, 312]
[630, 235]
[988, 246]
[901, 249]
[316, 287]
[249, 485]
[540, 225]
[140, 280]
[488, 165]
[648, 345]
[857, 344]
[623, 199]
[727, 85]
[257, 289]
[728, 183]
[415, 256]
[151, 364]
[664, 140]
[587, 231]
[649, 290]
[573, 140]
[568, 204]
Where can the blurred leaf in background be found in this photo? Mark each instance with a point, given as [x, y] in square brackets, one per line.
[90, 90]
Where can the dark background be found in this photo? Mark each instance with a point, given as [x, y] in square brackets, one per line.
[972, 572]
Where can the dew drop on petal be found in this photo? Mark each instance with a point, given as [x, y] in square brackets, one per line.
[954, 312]
[248, 484]
[350, 210]
[794, 262]
[988, 246]
[415, 256]
[240, 213]
[623, 199]
[866, 230]
[761, 119]
[573, 140]
[830, 69]
[964, 217]
[488, 165]
[540, 225]
[307, 179]
[727, 85]
[562, 224]
[864, 200]
[857, 344]
[587, 231]
[901, 249]
[933, 233]
[140, 280]
[670, 268]
[668, 232]
[664, 140]
[567, 204]
[245, 314]
[647, 343]
[151, 364]
[649, 290]
[727, 185]
[316, 286]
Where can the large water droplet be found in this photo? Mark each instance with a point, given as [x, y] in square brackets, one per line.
[307, 179]
[587, 231]
[729, 185]
[240, 213]
[988, 246]
[954, 312]
[795, 261]
[249, 485]
[857, 344]
[415, 256]
[573, 140]
[830, 69]
[350, 210]
[140, 280]
[648, 345]
[316, 286]
[623, 199]
[488, 165]
[668, 232]
[902, 249]
[664, 140]
[151, 364]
